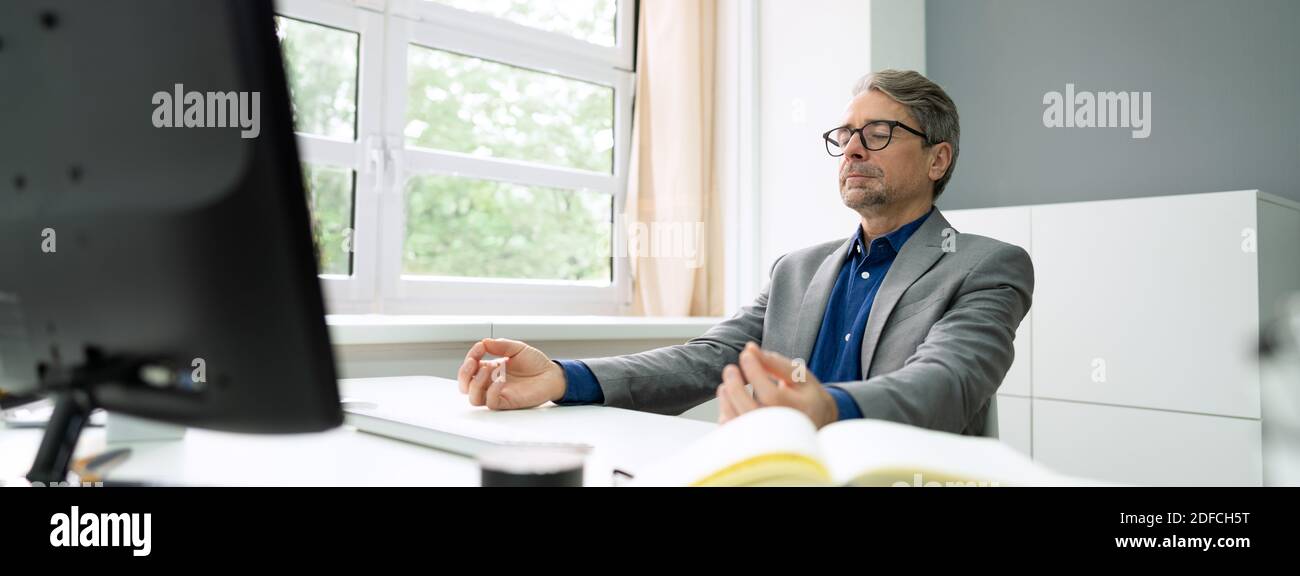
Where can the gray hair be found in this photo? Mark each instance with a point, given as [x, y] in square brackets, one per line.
[927, 102]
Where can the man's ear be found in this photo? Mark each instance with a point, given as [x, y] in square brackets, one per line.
[940, 159]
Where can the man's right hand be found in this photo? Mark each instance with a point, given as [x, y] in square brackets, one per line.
[529, 377]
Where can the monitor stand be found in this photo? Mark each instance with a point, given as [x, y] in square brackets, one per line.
[74, 401]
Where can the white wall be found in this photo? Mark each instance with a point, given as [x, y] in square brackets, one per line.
[898, 34]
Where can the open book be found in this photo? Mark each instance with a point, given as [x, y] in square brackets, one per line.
[779, 446]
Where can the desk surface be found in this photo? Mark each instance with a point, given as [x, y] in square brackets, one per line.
[625, 439]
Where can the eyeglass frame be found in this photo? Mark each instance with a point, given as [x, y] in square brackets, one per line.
[863, 138]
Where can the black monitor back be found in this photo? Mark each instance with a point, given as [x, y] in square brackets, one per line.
[189, 246]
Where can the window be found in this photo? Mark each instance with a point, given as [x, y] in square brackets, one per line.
[463, 104]
[330, 197]
[467, 227]
[590, 20]
[464, 156]
[333, 62]
[321, 65]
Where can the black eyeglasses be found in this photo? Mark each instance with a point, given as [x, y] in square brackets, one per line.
[874, 136]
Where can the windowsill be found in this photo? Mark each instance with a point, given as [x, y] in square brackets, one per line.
[361, 329]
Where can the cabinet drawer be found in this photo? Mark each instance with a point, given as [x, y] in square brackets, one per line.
[1014, 424]
[1140, 446]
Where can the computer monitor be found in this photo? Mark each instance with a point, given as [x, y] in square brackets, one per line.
[163, 272]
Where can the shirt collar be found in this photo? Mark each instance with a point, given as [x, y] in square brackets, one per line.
[893, 241]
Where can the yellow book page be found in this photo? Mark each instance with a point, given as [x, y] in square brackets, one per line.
[770, 470]
[769, 446]
[881, 453]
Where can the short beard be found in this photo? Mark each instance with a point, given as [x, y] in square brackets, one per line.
[866, 198]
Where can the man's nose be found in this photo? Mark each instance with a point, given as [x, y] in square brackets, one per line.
[855, 150]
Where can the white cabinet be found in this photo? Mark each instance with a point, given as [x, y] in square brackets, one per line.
[1149, 302]
[1141, 343]
[1151, 447]
[1015, 423]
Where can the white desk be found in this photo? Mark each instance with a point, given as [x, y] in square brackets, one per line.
[626, 439]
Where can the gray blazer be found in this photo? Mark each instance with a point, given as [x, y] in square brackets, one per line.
[938, 338]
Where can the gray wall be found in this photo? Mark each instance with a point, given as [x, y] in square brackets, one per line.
[1224, 77]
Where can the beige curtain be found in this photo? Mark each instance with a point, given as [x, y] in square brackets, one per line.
[673, 202]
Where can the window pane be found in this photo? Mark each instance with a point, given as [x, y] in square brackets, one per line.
[481, 228]
[465, 104]
[321, 64]
[590, 20]
[329, 192]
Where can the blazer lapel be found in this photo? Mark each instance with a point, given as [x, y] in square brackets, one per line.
[918, 255]
[814, 302]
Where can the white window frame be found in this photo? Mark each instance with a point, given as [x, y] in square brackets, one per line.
[354, 293]
[383, 163]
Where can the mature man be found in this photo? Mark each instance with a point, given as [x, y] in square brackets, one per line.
[905, 320]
